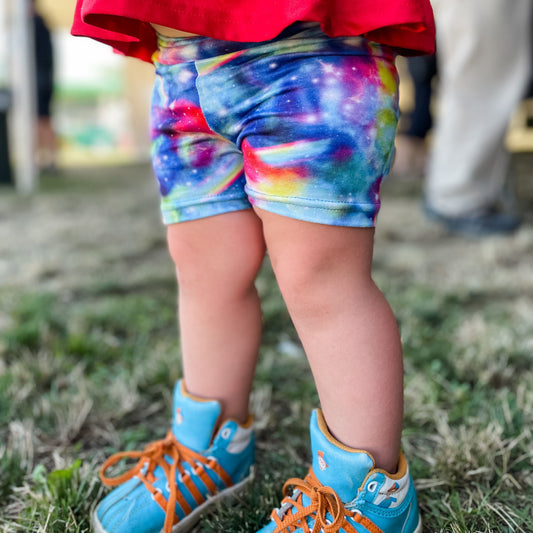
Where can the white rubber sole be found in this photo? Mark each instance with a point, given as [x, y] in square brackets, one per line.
[419, 527]
[187, 523]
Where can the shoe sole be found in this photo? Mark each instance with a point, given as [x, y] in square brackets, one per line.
[419, 527]
[472, 228]
[187, 523]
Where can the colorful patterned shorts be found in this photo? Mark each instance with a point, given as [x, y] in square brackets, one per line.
[302, 126]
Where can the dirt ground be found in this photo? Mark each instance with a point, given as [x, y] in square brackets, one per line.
[97, 223]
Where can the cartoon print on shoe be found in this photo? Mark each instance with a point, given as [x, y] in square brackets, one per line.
[344, 493]
[177, 478]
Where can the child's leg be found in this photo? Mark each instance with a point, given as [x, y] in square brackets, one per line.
[217, 260]
[207, 454]
[347, 329]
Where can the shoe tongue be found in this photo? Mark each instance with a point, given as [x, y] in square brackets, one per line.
[194, 419]
[335, 465]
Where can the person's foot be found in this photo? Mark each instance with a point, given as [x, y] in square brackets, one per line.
[344, 493]
[177, 478]
[484, 222]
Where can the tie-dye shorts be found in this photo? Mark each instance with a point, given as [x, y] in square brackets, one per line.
[302, 126]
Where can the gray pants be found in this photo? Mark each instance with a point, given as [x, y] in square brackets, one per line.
[484, 54]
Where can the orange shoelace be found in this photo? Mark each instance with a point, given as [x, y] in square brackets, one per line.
[156, 454]
[324, 501]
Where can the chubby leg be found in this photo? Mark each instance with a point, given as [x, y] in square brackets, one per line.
[347, 329]
[217, 260]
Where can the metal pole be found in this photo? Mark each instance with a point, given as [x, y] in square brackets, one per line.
[24, 97]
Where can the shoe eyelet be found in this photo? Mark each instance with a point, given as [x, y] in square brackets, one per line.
[372, 486]
[225, 433]
[157, 490]
[285, 506]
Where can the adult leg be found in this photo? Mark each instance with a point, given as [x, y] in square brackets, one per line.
[46, 143]
[411, 147]
[217, 260]
[346, 327]
[483, 54]
[422, 70]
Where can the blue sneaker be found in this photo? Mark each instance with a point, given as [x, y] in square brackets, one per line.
[344, 493]
[177, 478]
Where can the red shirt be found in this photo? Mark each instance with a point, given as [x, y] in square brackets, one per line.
[404, 24]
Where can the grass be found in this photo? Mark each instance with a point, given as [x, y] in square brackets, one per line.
[87, 371]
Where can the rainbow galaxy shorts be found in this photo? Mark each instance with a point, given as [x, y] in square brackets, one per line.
[302, 126]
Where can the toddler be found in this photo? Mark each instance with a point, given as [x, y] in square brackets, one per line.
[273, 124]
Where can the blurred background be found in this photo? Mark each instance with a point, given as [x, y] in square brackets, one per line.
[89, 348]
[100, 101]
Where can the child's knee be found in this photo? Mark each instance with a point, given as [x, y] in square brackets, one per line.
[222, 257]
[318, 278]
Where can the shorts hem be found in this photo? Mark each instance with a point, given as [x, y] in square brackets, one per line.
[329, 213]
[220, 206]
